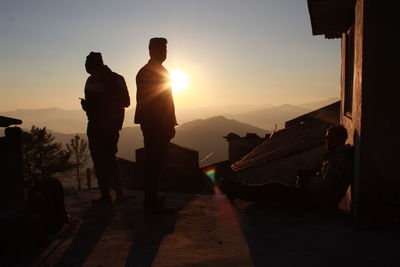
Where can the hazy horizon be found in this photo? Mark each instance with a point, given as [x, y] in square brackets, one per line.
[248, 107]
[263, 116]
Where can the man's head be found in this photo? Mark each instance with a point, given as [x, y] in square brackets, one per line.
[94, 62]
[158, 49]
[336, 137]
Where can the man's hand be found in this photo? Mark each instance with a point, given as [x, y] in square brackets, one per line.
[84, 104]
[72, 221]
[172, 132]
[303, 177]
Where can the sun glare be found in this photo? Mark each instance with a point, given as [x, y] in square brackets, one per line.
[179, 81]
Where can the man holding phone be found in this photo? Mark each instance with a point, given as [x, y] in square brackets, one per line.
[106, 97]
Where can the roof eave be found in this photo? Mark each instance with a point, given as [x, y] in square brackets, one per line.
[330, 17]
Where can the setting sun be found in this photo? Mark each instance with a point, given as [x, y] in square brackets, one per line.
[179, 81]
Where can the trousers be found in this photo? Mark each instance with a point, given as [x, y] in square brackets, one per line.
[103, 146]
[156, 146]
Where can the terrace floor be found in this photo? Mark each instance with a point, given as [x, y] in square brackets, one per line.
[208, 230]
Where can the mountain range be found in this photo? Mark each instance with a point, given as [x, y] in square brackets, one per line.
[270, 118]
[206, 136]
[74, 121]
[203, 135]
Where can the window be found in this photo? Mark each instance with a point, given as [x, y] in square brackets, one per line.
[349, 72]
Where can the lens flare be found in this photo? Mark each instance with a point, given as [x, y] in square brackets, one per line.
[211, 173]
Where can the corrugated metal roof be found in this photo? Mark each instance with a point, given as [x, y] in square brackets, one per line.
[302, 133]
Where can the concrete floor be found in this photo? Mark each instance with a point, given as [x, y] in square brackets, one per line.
[208, 230]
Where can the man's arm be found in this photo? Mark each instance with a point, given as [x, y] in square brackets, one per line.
[146, 97]
[118, 95]
[124, 94]
[331, 184]
[84, 101]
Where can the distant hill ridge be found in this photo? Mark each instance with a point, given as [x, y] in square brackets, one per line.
[59, 120]
[268, 117]
[74, 121]
[205, 136]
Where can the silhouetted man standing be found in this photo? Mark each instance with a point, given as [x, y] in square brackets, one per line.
[155, 113]
[106, 96]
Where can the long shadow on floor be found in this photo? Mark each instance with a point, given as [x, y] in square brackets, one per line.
[103, 226]
[94, 221]
[147, 236]
[148, 231]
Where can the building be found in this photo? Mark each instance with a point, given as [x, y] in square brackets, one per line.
[240, 146]
[300, 145]
[369, 82]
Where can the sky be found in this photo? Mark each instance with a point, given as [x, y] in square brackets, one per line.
[234, 52]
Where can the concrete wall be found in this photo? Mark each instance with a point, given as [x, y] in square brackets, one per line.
[177, 156]
[180, 174]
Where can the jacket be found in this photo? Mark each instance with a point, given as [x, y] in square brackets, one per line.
[330, 185]
[155, 105]
[106, 97]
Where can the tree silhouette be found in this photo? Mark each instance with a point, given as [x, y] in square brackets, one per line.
[42, 157]
[78, 149]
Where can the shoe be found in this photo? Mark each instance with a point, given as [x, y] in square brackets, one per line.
[102, 201]
[158, 208]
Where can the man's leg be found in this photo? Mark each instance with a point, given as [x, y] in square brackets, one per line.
[114, 171]
[153, 168]
[156, 147]
[156, 144]
[116, 177]
[96, 147]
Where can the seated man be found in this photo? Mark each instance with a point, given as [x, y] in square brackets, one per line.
[329, 186]
[325, 188]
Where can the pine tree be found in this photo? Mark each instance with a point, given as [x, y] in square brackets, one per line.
[78, 150]
[42, 157]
